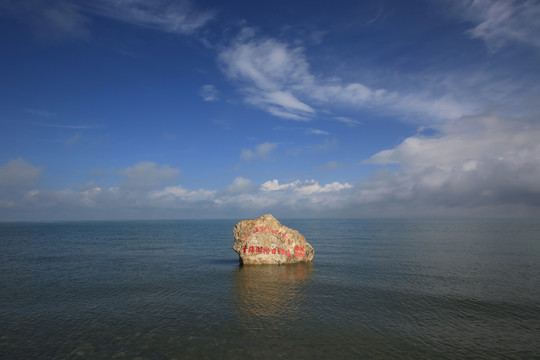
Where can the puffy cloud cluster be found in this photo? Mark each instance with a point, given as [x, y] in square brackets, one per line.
[482, 166]
[296, 198]
[308, 187]
[142, 194]
[482, 161]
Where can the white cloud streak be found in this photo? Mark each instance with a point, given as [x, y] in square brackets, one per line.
[57, 19]
[318, 132]
[178, 17]
[268, 72]
[172, 193]
[308, 187]
[347, 121]
[498, 22]
[276, 78]
[262, 152]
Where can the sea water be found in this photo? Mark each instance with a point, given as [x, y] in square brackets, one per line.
[377, 289]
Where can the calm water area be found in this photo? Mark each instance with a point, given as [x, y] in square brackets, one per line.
[377, 289]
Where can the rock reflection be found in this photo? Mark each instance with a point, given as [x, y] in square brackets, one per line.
[269, 291]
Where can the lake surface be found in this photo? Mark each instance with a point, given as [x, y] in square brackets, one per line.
[377, 289]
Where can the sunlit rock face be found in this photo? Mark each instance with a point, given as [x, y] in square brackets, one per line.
[266, 241]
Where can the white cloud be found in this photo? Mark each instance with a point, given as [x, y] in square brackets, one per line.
[121, 202]
[481, 166]
[347, 121]
[50, 20]
[147, 174]
[209, 93]
[297, 197]
[274, 185]
[57, 19]
[318, 132]
[178, 192]
[265, 64]
[486, 137]
[18, 173]
[268, 72]
[284, 114]
[276, 78]
[281, 103]
[501, 21]
[475, 161]
[332, 165]
[456, 172]
[41, 113]
[288, 101]
[307, 187]
[178, 17]
[241, 185]
[261, 152]
[326, 145]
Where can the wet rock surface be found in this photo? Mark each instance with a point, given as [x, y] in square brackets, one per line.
[265, 241]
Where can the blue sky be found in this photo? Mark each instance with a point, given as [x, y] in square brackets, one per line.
[174, 109]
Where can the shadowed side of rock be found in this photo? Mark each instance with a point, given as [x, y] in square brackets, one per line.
[265, 241]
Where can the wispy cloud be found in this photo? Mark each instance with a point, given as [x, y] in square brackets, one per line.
[276, 78]
[332, 165]
[41, 113]
[50, 20]
[58, 19]
[261, 152]
[347, 121]
[179, 17]
[72, 141]
[241, 185]
[71, 126]
[281, 103]
[209, 93]
[267, 72]
[18, 173]
[318, 132]
[148, 174]
[498, 22]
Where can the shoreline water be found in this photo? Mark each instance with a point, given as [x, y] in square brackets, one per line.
[174, 289]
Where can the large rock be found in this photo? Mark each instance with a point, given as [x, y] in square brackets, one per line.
[266, 241]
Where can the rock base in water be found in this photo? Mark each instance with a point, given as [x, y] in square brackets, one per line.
[266, 241]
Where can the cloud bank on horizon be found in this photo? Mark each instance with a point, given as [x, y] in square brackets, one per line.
[178, 109]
